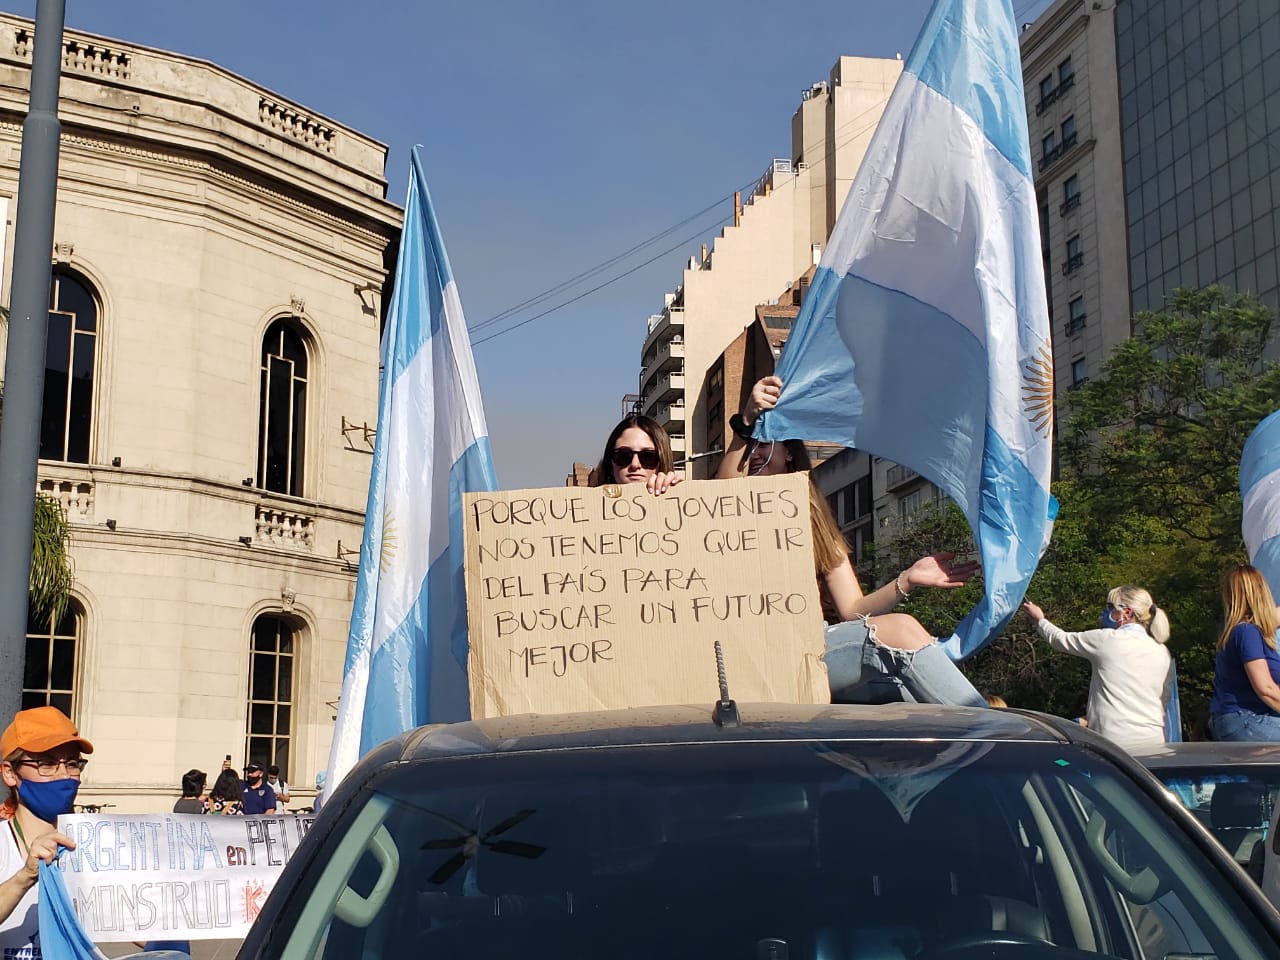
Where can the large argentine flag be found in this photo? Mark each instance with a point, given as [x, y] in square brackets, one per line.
[925, 335]
[407, 650]
[1260, 490]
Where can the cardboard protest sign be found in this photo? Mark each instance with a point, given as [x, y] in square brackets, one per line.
[174, 876]
[598, 598]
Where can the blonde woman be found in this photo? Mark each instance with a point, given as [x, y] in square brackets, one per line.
[1246, 672]
[1129, 689]
[872, 655]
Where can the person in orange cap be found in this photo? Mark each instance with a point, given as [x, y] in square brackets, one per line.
[42, 761]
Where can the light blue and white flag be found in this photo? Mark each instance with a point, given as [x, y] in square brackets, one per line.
[924, 337]
[1260, 491]
[407, 650]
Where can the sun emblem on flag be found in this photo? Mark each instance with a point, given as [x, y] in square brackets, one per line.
[1037, 391]
[389, 541]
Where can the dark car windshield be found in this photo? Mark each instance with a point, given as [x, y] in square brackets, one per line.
[761, 850]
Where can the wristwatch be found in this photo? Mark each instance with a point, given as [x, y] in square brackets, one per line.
[739, 426]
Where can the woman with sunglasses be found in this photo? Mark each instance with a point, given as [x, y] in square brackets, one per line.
[872, 655]
[638, 451]
[1130, 686]
[1246, 674]
[41, 766]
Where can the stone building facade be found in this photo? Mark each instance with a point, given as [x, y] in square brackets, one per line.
[777, 232]
[220, 259]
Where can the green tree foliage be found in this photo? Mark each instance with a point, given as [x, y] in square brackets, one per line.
[51, 572]
[1159, 433]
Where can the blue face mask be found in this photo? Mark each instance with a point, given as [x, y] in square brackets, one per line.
[1107, 622]
[49, 798]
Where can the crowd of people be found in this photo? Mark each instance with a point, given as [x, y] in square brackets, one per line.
[874, 654]
[260, 792]
[42, 757]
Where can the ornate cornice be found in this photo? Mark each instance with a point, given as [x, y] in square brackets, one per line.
[218, 175]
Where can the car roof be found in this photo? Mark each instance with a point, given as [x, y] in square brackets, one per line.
[1208, 754]
[759, 721]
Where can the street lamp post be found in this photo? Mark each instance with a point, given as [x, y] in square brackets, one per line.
[24, 362]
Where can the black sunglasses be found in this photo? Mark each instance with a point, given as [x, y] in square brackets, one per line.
[621, 457]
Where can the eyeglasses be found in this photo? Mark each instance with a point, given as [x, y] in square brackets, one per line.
[622, 456]
[49, 768]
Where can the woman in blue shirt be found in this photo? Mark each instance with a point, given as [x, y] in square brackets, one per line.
[1246, 676]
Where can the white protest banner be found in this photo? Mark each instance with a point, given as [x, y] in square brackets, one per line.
[598, 598]
[174, 876]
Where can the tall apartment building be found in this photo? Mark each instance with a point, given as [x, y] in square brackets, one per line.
[772, 241]
[211, 385]
[1153, 124]
[1199, 96]
[1073, 119]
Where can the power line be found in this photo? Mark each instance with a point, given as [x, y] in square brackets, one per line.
[601, 286]
[577, 278]
[749, 187]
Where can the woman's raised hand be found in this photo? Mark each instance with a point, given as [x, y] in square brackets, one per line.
[764, 396]
[45, 848]
[660, 482]
[1033, 611]
[940, 570]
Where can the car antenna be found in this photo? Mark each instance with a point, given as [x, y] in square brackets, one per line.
[726, 714]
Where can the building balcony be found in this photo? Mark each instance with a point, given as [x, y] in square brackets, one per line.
[671, 416]
[1073, 263]
[898, 476]
[666, 389]
[679, 447]
[663, 326]
[663, 356]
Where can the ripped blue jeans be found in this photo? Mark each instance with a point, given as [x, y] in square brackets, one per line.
[861, 669]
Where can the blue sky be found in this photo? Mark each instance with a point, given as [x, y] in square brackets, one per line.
[559, 134]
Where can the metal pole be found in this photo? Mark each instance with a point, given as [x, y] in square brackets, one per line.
[24, 363]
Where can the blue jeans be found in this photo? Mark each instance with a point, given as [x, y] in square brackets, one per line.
[860, 669]
[1244, 725]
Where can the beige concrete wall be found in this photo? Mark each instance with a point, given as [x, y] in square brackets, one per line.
[751, 263]
[859, 91]
[782, 221]
[1070, 28]
[200, 208]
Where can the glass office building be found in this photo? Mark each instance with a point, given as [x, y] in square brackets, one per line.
[1200, 118]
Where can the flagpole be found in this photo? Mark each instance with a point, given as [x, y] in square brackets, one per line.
[24, 361]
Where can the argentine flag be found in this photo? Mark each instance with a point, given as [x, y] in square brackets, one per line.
[407, 650]
[1260, 491]
[924, 337]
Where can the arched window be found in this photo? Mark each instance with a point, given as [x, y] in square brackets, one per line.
[271, 657]
[53, 649]
[66, 416]
[282, 416]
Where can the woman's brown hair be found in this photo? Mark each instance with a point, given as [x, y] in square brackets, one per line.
[830, 549]
[1246, 598]
[666, 463]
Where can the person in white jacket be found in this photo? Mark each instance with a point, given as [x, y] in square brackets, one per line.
[1129, 689]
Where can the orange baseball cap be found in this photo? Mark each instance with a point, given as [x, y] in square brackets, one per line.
[39, 730]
